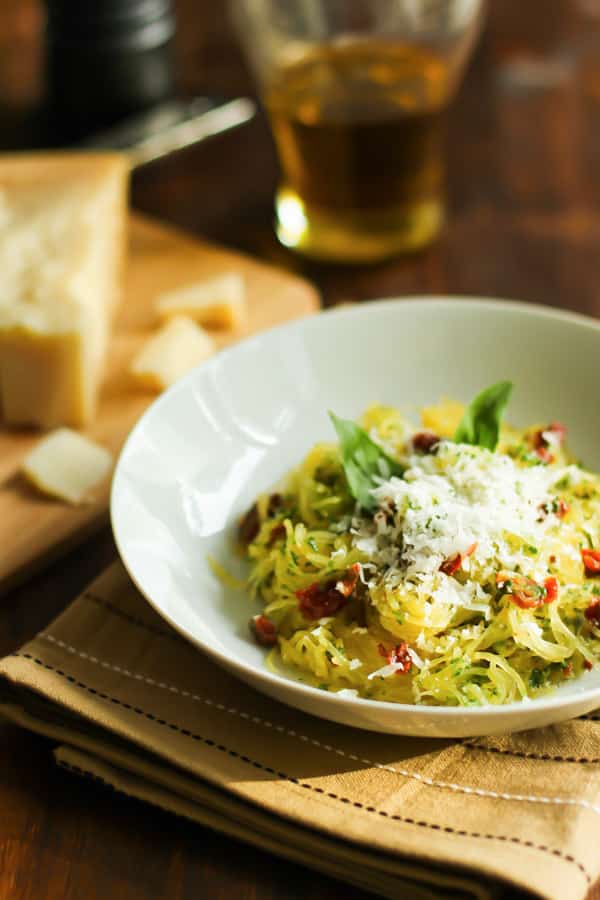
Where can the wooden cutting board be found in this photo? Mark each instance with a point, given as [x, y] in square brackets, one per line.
[34, 529]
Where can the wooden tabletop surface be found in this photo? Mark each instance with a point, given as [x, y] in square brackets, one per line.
[524, 195]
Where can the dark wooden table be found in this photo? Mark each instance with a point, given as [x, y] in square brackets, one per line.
[524, 184]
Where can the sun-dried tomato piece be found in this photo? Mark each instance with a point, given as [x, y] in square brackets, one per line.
[591, 561]
[276, 533]
[587, 665]
[397, 656]
[319, 600]
[453, 563]
[541, 443]
[544, 454]
[348, 581]
[555, 428]
[249, 525]
[274, 505]
[425, 441]
[538, 440]
[524, 592]
[592, 613]
[551, 585]
[559, 430]
[264, 631]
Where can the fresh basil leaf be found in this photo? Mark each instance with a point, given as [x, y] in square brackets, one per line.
[480, 424]
[363, 460]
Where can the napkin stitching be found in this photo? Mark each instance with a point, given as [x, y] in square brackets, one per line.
[78, 770]
[523, 754]
[154, 629]
[419, 823]
[92, 776]
[74, 769]
[406, 773]
[134, 620]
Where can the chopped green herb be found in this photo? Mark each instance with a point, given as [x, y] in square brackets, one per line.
[313, 544]
[536, 678]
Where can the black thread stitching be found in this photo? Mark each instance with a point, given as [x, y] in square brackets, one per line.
[72, 767]
[133, 620]
[522, 754]
[85, 773]
[154, 629]
[448, 829]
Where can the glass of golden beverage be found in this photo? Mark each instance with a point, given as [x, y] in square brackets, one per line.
[357, 92]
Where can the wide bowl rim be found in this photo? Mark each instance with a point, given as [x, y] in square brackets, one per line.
[244, 669]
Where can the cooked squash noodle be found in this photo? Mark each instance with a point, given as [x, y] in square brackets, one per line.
[463, 585]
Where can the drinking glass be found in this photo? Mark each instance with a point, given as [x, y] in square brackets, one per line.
[356, 92]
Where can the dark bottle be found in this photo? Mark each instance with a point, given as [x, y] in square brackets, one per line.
[105, 60]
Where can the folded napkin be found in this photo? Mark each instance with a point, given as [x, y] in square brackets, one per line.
[131, 703]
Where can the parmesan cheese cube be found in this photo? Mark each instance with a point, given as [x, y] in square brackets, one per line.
[62, 238]
[66, 465]
[179, 346]
[218, 302]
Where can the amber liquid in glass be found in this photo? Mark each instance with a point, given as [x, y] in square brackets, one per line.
[358, 127]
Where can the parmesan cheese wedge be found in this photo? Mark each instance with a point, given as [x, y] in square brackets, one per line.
[66, 465]
[179, 346]
[218, 302]
[62, 234]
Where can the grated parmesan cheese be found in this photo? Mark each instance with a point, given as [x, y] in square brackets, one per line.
[448, 501]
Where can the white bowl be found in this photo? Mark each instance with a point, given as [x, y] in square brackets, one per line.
[230, 429]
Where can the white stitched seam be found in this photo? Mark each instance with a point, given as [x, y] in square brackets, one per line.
[257, 720]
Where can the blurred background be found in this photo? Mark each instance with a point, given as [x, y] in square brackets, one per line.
[524, 140]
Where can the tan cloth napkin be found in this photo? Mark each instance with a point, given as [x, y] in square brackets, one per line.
[131, 703]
